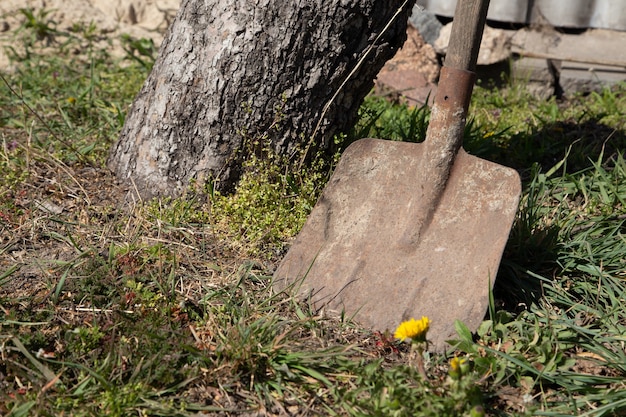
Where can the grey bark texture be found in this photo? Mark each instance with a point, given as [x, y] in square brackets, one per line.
[261, 69]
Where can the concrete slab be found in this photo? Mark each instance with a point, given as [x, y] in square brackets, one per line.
[559, 63]
[593, 47]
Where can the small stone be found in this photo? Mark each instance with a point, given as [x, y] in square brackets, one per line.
[426, 23]
[494, 47]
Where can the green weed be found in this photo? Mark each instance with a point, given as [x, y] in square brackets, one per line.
[271, 201]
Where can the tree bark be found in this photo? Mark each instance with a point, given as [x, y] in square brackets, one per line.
[262, 69]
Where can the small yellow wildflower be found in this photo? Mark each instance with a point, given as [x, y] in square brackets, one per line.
[458, 367]
[455, 368]
[71, 100]
[455, 364]
[413, 329]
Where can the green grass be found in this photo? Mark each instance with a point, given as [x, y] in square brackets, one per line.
[166, 307]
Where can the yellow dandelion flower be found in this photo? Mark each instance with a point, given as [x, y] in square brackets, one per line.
[455, 364]
[413, 329]
[458, 367]
[455, 368]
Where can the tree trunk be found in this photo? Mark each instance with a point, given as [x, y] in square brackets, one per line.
[263, 69]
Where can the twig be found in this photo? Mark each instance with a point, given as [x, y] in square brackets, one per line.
[96, 310]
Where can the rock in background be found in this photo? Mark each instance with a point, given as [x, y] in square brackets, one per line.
[411, 76]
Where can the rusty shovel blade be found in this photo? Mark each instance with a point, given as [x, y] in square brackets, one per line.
[352, 257]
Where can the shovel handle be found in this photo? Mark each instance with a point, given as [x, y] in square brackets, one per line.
[467, 32]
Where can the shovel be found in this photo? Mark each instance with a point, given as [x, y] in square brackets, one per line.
[408, 230]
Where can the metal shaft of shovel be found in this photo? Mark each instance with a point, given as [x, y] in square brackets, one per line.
[444, 137]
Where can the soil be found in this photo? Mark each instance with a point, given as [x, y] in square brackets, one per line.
[137, 18]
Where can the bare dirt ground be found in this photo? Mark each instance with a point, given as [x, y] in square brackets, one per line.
[137, 18]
